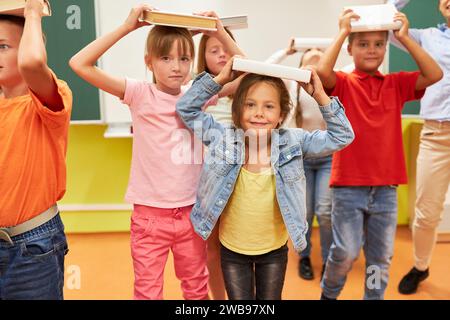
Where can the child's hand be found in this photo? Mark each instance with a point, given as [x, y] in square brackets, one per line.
[132, 23]
[219, 26]
[345, 21]
[291, 49]
[227, 74]
[315, 88]
[403, 32]
[35, 7]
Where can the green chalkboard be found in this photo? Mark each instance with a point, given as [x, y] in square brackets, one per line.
[69, 29]
[421, 14]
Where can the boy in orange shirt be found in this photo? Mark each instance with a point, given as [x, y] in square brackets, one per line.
[34, 119]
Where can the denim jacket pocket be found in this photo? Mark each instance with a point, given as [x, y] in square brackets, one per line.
[222, 160]
[291, 164]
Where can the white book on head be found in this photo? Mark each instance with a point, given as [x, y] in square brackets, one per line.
[302, 44]
[273, 70]
[375, 18]
[235, 22]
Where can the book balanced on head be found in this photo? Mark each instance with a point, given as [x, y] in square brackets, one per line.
[272, 70]
[379, 17]
[17, 7]
[181, 20]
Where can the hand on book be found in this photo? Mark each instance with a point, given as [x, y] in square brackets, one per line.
[227, 74]
[345, 21]
[35, 7]
[290, 50]
[315, 88]
[133, 21]
[403, 32]
[219, 26]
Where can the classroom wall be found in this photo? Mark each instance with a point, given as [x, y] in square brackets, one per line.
[271, 24]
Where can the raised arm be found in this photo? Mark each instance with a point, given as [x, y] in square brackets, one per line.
[430, 72]
[83, 63]
[280, 55]
[416, 34]
[326, 65]
[229, 44]
[32, 59]
[190, 106]
[339, 131]
[221, 35]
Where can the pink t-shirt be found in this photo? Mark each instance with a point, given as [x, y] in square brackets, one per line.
[167, 158]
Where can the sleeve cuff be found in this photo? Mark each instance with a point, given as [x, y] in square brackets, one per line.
[208, 83]
[334, 107]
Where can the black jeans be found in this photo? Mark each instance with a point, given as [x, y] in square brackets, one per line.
[243, 274]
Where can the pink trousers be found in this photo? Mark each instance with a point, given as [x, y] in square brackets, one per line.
[155, 231]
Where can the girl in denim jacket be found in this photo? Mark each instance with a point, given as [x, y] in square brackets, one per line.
[253, 176]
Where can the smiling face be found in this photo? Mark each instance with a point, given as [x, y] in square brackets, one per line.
[10, 35]
[261, 110]
[368, 50]
[444, 7]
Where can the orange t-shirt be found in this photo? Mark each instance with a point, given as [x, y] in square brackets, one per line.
[33, 145]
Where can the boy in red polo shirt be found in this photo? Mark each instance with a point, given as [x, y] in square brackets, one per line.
[365, 175]
[34, 120]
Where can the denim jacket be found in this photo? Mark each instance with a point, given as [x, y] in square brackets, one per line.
[226, 155]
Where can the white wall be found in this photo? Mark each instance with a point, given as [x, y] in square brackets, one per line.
[271, 24]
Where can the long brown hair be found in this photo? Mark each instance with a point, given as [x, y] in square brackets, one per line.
[249, 81]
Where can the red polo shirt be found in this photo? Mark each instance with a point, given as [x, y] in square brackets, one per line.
[373, 105]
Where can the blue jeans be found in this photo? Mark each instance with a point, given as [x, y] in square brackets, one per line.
[33, 267]
[258, 277]
[361, 216]
[318, 202]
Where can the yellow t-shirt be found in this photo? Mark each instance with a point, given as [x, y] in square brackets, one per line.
[251, 223]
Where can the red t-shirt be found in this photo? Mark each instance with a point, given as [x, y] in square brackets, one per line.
[373, 105]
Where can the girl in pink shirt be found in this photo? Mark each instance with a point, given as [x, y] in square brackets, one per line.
[166, 159]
